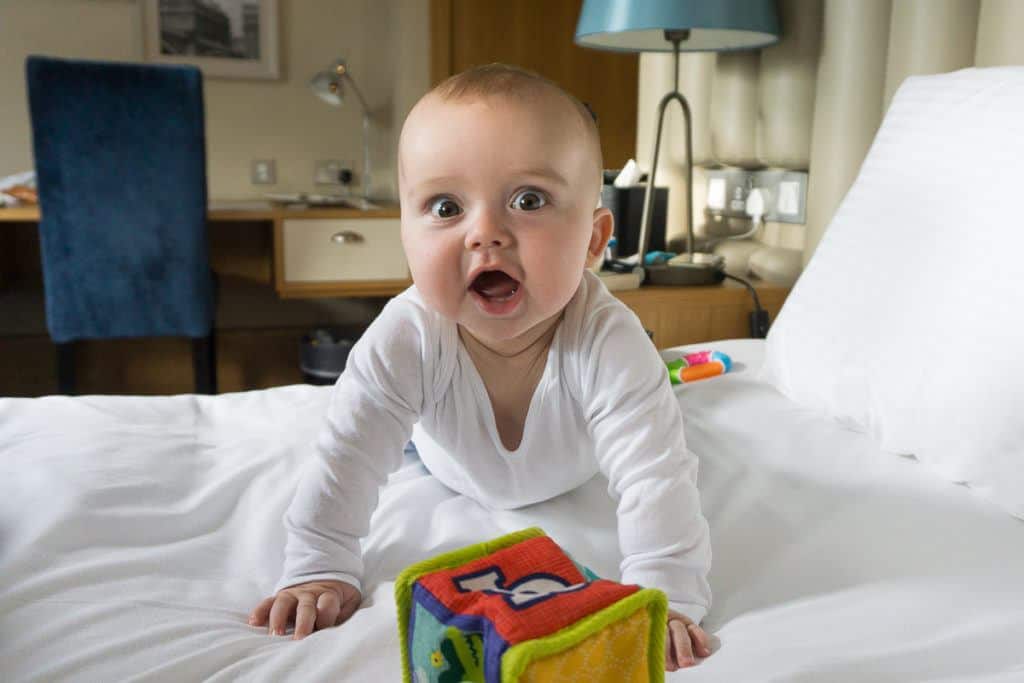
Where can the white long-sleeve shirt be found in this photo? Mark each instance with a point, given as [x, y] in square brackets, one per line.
[603, 403]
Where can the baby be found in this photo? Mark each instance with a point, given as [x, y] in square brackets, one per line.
[514, 371]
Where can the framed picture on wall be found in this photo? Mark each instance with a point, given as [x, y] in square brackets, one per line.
[224, 38]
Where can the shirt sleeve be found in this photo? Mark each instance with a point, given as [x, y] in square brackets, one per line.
[372, 409]
[637, 427]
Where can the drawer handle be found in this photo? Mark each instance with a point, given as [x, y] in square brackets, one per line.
[347, 237]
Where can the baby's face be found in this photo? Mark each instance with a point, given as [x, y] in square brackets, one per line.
[498, 210]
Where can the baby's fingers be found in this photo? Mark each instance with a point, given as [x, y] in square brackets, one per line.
[284, 607]
[305, 616]
[700, 639]
[678, 652]
[327, 607]
[258, 616]
[348, 609]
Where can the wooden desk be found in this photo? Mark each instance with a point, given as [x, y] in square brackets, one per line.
[259, 325]
[302, 268]
[690, 315]
[231, 210]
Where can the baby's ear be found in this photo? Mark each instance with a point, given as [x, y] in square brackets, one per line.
[603, 225]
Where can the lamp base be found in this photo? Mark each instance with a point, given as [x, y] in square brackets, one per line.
[687, 270]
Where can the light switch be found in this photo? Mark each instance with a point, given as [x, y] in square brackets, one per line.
[716, 193]
[789, 198]
[263, 172]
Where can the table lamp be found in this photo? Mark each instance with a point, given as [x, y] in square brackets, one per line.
[677, 26]
[329, 86]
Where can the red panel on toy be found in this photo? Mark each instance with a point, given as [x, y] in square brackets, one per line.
[528, 590]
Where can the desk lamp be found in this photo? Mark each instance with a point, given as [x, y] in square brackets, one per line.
[677, 26]
[328, 86]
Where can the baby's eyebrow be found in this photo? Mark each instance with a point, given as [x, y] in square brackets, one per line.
[439, 180]
[545, 172]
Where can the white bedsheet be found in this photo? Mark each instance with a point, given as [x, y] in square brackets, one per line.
[136, 535]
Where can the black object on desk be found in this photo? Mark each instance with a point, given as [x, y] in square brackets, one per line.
[627, 206]
[323, 354]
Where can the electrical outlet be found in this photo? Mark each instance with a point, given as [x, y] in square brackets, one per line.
[727, 191]
[330, 172]
[263, 172]
[785, 194]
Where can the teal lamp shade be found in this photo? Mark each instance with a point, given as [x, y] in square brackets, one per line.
[713, 25]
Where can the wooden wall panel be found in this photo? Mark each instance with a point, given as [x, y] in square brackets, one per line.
[538, 35]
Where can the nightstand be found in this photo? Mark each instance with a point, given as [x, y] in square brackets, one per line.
[687, 315]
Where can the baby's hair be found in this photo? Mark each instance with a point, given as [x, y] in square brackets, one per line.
[494, 80]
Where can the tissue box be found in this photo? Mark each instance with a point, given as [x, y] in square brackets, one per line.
[627, 207]
[520, 609]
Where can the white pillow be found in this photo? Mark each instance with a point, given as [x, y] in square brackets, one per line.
[908, 322]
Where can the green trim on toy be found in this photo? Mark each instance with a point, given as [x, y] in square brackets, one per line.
[518, 657]
[456, 558]
[659, 626]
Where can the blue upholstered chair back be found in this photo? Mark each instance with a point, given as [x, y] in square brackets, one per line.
[120, 155]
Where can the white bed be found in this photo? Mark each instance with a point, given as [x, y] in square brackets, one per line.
[137, 533]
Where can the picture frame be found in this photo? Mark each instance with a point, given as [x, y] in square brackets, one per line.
[224, 38]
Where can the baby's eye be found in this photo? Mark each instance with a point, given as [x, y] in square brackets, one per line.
[528, 200]
[445, 208]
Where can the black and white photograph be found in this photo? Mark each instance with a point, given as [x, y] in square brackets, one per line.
[210, 28]
[225, 38]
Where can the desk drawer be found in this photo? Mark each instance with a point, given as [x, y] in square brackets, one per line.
[343, 250]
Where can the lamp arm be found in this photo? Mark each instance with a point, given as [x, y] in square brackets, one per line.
[358, 92]
[648, 213]
[366, 133]
[366, 155]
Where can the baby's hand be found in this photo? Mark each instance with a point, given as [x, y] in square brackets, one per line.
[684, 640]
[312, 606]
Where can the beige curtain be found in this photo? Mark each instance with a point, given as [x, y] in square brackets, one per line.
[814, 100]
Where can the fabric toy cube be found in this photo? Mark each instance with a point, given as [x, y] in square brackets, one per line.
[520, 609]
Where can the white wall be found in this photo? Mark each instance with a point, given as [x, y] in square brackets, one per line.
[386, 43]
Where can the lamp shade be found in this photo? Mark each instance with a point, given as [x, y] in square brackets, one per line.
[713, 25]
[327, 86]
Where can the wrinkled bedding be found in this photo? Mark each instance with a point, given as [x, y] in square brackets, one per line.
[137, 533]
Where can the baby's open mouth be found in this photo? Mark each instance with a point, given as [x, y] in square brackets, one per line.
[495, 285]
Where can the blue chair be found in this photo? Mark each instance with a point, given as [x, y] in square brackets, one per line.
[120, 156]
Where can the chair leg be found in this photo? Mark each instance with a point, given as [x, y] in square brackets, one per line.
[204, 362]
[66, 368]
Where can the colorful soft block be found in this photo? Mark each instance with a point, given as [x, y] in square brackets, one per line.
[520, 609]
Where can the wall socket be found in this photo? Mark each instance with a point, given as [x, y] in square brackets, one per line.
[263, 172]
[785, 193]
[329, 172]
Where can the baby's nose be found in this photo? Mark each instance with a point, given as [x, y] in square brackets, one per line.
[487, 233]
[493, 242]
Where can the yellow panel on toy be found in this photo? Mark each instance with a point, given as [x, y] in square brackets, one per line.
[519, 609]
